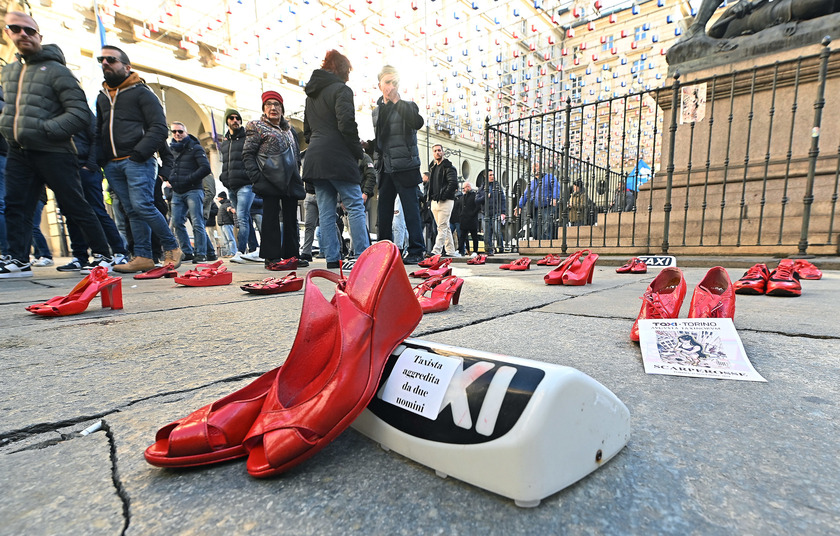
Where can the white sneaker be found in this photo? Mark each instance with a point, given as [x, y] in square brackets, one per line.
[43, 261]
[253, 257]
[237, 258]
[98, 261]
[455, 255]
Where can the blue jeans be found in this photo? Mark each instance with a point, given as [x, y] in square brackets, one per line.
[493, 229]
[327, 192]
[39, 241]
[241, 199]
[192, 202]
[230, 239]
[134, 184]
[92, 188]
[4, 245]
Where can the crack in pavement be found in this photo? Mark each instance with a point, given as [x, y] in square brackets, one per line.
[115, 478]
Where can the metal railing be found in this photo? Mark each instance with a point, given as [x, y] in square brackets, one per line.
[734, 161]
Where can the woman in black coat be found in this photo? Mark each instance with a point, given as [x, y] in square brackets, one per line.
[332, 157]
[469, 219]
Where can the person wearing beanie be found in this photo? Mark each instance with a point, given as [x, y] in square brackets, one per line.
[239, 184]
[225, 220]
[269, 136]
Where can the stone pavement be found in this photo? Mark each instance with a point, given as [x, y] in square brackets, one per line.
[705, 456]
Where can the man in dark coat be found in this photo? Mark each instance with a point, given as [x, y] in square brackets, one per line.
[443, 184]
[469, 219]
[44, 108]
[186, 180]
[396, 122]
[491, 197]
[236, 180]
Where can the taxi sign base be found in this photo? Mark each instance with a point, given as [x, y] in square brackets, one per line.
[540, 441]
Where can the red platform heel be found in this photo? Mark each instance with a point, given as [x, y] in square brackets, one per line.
[555, 277]
[662, 299]
[446, 291]
[210, 275]
[714, 297]
[275, 285]
[215, 432]
[98, 281]
[581, 273]
[336, 362]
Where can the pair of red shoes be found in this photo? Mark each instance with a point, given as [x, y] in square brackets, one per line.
[576, 270]
[523, 263]
[445, 290]
[330, 375]
[550, 260]
[283, 265]
[208, 275]
[478, 259]
[438, 268]
[96, 282]
[633, 266]
[783, 281]
[274, 285]
[167, 270]
[714, 297]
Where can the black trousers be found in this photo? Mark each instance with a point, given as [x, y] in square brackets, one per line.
[276, 244]
[26, 172]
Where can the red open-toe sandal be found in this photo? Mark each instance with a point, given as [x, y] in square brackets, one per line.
[555, 277]
[446, 291]
[274, 285]
[213, 275]
[522, 263]
[428, 262]
[334, 367]
[77, 301]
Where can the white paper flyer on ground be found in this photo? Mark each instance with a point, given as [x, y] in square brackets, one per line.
[698, 347]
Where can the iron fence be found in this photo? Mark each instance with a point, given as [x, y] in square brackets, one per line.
[726, 161]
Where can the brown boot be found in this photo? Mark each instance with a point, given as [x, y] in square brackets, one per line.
[137, 264]
[173, 256]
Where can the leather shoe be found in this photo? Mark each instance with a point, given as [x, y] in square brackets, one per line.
[714, 297]
[662, 299]
[137, 264]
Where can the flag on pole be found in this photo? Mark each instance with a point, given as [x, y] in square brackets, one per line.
[215, 135]
[100, 28]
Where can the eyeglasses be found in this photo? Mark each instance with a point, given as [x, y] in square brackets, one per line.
[110, 59]
[16, 28]
[273, 105]
[177, 131]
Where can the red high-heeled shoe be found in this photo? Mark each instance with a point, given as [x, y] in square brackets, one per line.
[274, 285]
[522, 263]
[215, 432]
[549, 260]
[213, 275]
[441, 268]
[445, 291]
[98, 281]
[167, 270]
[633, 266]
[478, 259]
[714, 297]
[662, 299]
[428, 262]
[555, 277]
[336, 362]
[581, 273]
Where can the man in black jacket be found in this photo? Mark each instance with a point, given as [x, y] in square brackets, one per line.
[236, 180]
[396, 122]
[186, 181]
[131, 127]
[443, 184]
[44, 108]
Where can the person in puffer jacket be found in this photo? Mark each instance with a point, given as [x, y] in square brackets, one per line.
[187, 182]
[45, 107]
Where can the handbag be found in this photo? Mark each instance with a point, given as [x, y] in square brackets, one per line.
[281, 171]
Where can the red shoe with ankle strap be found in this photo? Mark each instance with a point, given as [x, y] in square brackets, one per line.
[336, 361]
[444, 292]
[555, 277]
[806, 270]
[714, 297]
[784, 280]
[522, 263]
[428, 262]
[581, 273]
[662, 299]
[754, 280]
[549, 260]
[77, 301]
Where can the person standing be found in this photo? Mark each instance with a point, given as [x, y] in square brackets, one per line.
[272, 135]
[491, 196]
[334, 155]
[443, 184]
[45, 107]
[225, 220]
[236, 180]
[542, 194]
[187, 183]
[428, 221]
[469, 219]
[131, 127]
[396, 122]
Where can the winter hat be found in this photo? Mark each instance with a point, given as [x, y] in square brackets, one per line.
[230, 111]
[222, 195]
[273, 95]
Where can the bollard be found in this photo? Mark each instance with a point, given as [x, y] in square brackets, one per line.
[516, 427]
